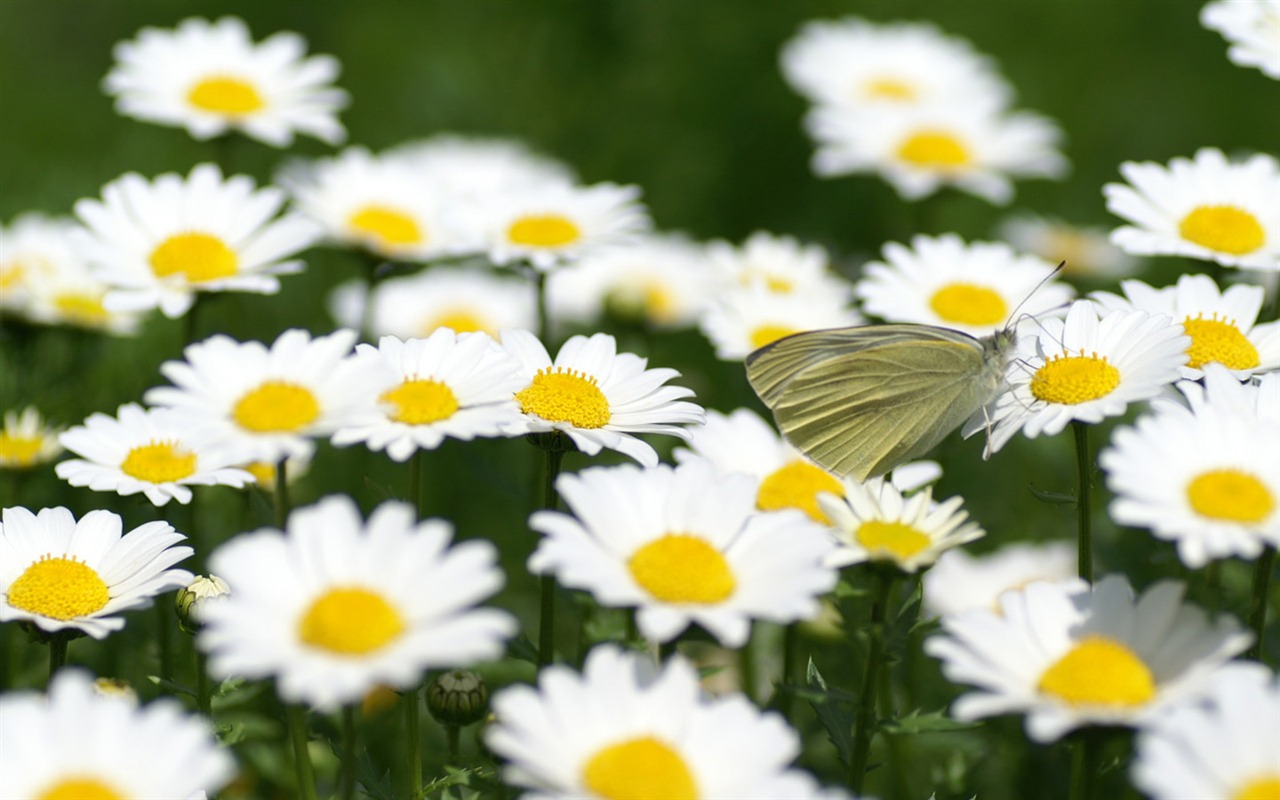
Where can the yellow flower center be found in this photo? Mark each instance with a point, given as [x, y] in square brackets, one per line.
[80, 788]
[263, 472]
[276, 407]
[560, 395]
[386, 226]
[159, 462]
[11, 274]
[1218, 341]
[768, 334]
[1266, 787]
[543, 230]
[350, 621]
[1071, 380]
[797, 485]
[887, 88]
[650, 300]
[1230, 495]
[421, 401]
[19, 451]
[1099, 671]
[223, 94]
[460, 320]
[1226, 229]
[679, 568]
[643, 768]
[969, 304]
[933, 149]
[198, 257]
[895, 539]
[81, 308]
[60, 588]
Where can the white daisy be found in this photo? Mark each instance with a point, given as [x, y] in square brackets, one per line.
[264, 472]
[62, 574]
[1204, 476]
[143, 451]
[783, 264]
[469, 169]
[1253, 29]
[1069, 655]
[1083, 251]
[1221, 749]
[627, 729]
[448, 384]
[159, 242]
[874, 521]
[745, 318]
[1206, 207]
[80, 743]
[30, 243]
[334, 606]
[960, 582]
[259, 403]
[683, 545]
[970, 287]
[597, 396]
[1221, 324]
[210, 78]
[26, 441]
[1082, 368]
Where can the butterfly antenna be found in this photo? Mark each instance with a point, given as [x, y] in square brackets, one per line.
[1013, 316]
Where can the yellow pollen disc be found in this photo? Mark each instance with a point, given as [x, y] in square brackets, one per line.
[1071, 380]
[421, 401]
[60, 588]
[159, 462]
[386, 226]
[19, 451]
[350, 621]
[543, 230]
[768, 334]
[459, 320]
[934, 150]
[81, 308]
[1219, 341]
[80, 789]
[1226, 229]
[198, 257]
[263, 472]
[893, 538]
[797, 485]
[639, 769]
[969, 304]
[1099, 671]
[11, 275]
[223, 94]
[679, 568]
[1230, 495]
[894, 89]
[559, 395]
[1266, 787]
[276, 407]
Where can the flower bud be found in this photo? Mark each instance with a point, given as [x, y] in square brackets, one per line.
[458, 697]
[202, 590]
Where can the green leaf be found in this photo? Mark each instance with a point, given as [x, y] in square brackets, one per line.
[834, 716]
[844, 589]
[376, 785]
[1053, 498]
[925, 722]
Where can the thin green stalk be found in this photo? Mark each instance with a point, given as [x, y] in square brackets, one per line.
[1258, 603]
[57, 652]
[544, 321]
[282, 494]
[1084, 500]
[296, 717]
[204, 699]
[164, 638]
[1086, 763]
[790, 667]
[865, 719]
[349, 742]
[413, 740]
[547, 604]
[373, 266]
[415, 482]
[451, 736]
[747, 666]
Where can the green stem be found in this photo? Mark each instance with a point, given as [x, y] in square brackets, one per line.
[747, 666]
[282, 494]
[413, 740]
[164, 639]
[547, 603]
[204, 700]
[415, 482]
[57, 652]
[865, 716]
[790, 676]
[349, 741]
[297, 720]
[544, 321]
[1086, 763]
[376, 273]
[1258, 603]
[1084, 500]
[451, 736]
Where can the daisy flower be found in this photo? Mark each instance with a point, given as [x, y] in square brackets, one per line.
[1083, 251]
[597, 396]
[1221, 324]
[470, 169]
[264, 472]
[1082, 368]
[142, 451]
[263, 404]
[211, 78]
[745, 318]
[1221, 749]
[334, 606]
[159, 242]
[1203, 476]
[683, 545]
[26, 441]
[448, 384]
[973, 287]
[960, 582]
[1206, 207]
[61, 574]
[27, 244]
[1069, 655]
[80, 743]
[1252, 27]
[783, 264]
[874, 521]
[73, 294]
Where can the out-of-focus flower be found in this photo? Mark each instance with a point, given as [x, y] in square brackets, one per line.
[26, 441]
[1252, 27]
[1083, 251]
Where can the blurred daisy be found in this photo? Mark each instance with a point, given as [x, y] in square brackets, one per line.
[62, 574]
[1206, 207]
[1082, 368]
[960, 582]
[26, 441]
[627, 729]
[448, 384]
[80, 743]
[211, 78]
[471, 169]
[1252, 27]
[1083, 251]
[597, 396]
[1221, 324]
[683, 545]
[970, 146]
[1221, 749]
[262, 404]
[783, 264]
[72, 294]
[334, 606]
[28, 244]
[874, 521]
[264, 472]
[159, 242]
[1204, 476]
[973, 287]
[1069, 655]
[142, 451]
[745, 318]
